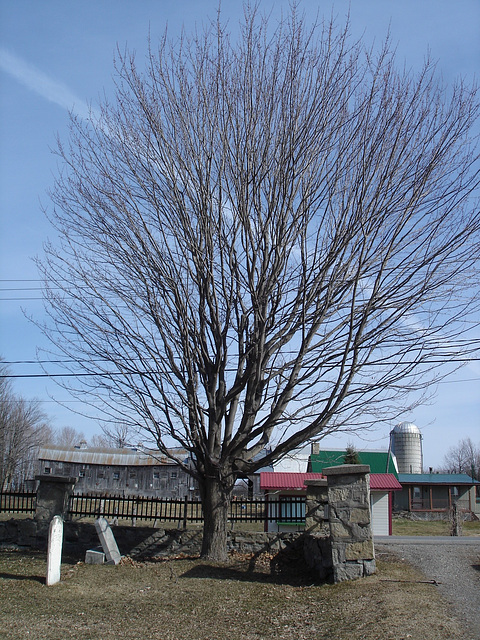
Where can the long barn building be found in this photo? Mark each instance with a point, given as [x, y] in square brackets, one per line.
[120, 471]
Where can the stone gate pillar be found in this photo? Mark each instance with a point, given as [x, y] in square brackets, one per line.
[317, 547]
[316, 507]
[53, 494]
[353, 554]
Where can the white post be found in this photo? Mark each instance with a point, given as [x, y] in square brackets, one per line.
[54, 553]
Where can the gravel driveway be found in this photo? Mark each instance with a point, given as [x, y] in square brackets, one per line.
[452, 562]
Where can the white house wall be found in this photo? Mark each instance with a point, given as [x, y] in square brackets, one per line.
[295, 462]
[380, 513]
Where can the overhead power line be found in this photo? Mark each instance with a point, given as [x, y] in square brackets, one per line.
[103, 374]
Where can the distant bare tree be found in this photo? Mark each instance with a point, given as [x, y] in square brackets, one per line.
[23, 429]
[263, 241]
[464, 458]
[99, 440]
[120, 435]
[68, 437]
[117, 435]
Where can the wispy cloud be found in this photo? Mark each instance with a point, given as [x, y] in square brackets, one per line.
[42, 84]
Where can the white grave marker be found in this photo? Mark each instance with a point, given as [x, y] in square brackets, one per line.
[54, 553]
[107, 539]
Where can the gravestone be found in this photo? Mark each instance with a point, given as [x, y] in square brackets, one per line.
[94, 556]
[54, 552]
[107, 540]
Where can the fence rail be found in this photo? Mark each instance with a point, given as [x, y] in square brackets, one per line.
[135, 507]
[288, 509]
[17, 501]
[438, 504]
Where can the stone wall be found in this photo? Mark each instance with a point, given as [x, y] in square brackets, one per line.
[138, 542]
[78, 536]
[337, 543]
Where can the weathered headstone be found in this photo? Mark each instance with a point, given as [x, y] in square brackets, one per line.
[94, 556]
[107, 540]
[54, 552]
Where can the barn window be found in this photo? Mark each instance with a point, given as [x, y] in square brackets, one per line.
[156, 475]
[173, 474]
[116, 475]
[47, 470]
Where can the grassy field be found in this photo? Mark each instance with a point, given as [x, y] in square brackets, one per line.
[406, 527]
[190, 599]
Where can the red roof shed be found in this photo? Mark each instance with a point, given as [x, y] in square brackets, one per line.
[276, 480]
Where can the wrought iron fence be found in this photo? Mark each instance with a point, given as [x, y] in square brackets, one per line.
[17, 501]
[290, 509]
[135, 508]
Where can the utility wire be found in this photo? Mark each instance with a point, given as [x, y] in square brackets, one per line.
[121, 373]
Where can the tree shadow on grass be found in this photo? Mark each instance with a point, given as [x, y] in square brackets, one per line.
[282, 568]
[16, 576]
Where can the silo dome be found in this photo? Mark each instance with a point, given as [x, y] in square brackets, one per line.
[406, 427]
[406, 444]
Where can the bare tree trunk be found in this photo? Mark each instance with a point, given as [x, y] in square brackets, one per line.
[216, 502]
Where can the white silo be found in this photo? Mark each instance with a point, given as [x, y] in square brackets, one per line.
[406, 444]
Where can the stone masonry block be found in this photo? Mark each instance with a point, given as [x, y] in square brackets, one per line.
[369, 567]
[360, 550]
[338, 554]
[360, 516]
[347, 571]
[339, 495]
[340, 530]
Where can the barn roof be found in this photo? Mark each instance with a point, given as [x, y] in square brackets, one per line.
[110, 457]
[376, 460]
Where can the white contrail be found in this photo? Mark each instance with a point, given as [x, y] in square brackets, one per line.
[42, 84]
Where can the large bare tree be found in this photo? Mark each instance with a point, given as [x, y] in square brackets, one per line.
[263, 239]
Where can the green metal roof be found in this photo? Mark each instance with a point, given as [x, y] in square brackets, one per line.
[377, 461]
[436, 478]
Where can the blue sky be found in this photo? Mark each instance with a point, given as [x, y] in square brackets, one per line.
[57, 54]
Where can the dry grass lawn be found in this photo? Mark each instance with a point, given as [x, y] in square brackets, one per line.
[407, 527]
[188, 599]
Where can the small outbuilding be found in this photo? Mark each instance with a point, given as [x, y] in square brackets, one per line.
[282, 487]
[432, 494]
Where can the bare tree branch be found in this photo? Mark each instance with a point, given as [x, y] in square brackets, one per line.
[264, 241]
